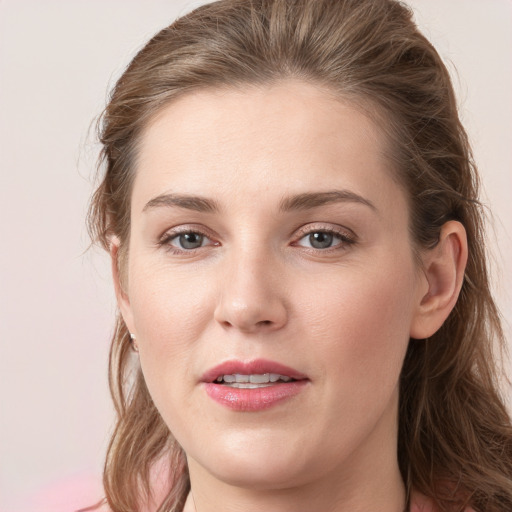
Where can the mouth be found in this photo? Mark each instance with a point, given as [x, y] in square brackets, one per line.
[254, 385]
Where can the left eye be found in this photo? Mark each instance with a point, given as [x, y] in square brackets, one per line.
[188, 241]
[322, 239]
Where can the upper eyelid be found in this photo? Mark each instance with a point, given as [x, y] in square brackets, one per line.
[171, 233]
[307, 228]
[302, 231]
[313, 227]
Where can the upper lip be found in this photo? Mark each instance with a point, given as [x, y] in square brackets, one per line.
[255, 367]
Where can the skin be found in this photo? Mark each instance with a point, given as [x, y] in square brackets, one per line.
[256, 287]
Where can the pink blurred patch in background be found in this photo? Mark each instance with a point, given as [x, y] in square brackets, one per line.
[67, 495]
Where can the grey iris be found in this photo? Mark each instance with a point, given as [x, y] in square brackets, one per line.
[191, 240]
[320, 240]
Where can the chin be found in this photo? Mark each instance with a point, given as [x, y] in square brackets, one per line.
[259, 464]
[259, 475]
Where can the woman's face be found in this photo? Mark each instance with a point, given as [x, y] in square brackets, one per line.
[269, 237]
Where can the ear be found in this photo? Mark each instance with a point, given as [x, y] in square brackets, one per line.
[123, 300]
[443, 273]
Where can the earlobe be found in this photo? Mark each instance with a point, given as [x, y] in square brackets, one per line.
[443, 269]
[122, 297]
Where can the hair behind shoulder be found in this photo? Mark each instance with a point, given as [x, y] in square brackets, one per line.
[455, 436]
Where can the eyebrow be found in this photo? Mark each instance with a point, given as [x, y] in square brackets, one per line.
[188, 202]
[311, 200]
[300, 202]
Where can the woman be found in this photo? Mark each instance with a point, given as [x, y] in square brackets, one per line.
[291, 208]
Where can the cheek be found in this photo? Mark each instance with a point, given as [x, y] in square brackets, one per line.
[361, 334]
[169, 307]
[170, 314]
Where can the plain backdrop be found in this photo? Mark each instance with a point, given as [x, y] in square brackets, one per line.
[57, 61]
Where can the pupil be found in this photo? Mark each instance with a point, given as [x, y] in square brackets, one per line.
[191, 240]
[321, 240]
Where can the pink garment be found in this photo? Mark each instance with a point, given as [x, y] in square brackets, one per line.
[84, 490]
[420, 503]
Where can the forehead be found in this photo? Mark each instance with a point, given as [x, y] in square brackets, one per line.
[290, 136]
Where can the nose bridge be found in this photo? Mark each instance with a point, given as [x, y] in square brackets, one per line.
[252, 297]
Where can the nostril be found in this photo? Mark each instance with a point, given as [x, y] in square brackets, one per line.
[251, 315]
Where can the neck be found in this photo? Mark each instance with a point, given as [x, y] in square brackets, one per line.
[385, 495]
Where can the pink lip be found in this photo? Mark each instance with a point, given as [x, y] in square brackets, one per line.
[244, 399]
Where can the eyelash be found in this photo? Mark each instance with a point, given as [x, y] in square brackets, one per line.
[169, 236]
[345, 237]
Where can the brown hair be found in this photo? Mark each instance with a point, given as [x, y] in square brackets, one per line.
[455, 436]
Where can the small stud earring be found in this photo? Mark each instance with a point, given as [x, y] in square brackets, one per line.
[135, 347]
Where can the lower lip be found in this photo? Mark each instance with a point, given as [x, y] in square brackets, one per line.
[257, 399]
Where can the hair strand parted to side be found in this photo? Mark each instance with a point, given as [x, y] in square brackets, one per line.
[455, 437]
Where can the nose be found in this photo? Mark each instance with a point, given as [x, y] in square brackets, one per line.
[252, 295]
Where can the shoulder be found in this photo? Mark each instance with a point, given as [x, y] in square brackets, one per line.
[421, 503]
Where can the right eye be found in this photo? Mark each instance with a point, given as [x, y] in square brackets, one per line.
[188, 241]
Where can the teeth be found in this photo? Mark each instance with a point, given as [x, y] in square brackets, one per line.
[238, 380]
[259, 379]
[249, 385]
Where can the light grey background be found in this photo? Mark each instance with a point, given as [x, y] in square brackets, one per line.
[56, 304]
